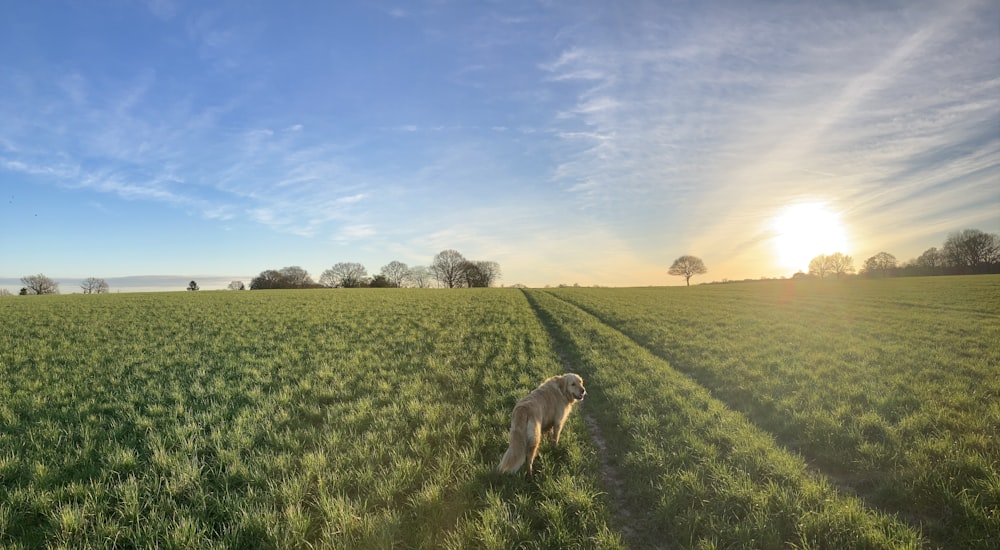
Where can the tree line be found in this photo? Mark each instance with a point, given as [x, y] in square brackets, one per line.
[450, 269]
[967, 252]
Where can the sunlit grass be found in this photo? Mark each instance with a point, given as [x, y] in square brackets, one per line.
[700, 475]
[289, 420]
[376, 418]
[890, 387]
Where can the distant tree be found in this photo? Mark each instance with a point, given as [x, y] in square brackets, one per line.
[395, 273]
[489, 272]
[379, 281]
[470, 276]
[23, 292]
[835, 264]
[421, 277]
[687, 267]
[296, 277]
[345, 275]
[286, 277]
[447, 268]
[840, 264]
[478, 274]
[879, 265]
[39, 284]
[192, 286]
[236, 285]
[5, 292]
[267, 280]
[820, 266]
[93, 285]
[932, 258]
[972, 250]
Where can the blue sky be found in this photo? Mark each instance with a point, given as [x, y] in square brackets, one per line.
[571, 142]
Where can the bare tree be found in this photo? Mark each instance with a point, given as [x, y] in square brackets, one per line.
[879, 265]
[489, 272]
[932, 258]
[820, 266]
[687, 267]
[447, 268]
[835, 264]
[395, 273]
[972, 249]
[237, 285]
[268, 279]
[93, 285]
[421, 277]
[296, 277]
[479, 274]
[345, 275]
[39, 284]
[840, 264]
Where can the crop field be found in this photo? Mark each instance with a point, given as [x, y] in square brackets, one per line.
[862, 414]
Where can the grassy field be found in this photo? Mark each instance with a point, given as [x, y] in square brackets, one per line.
[889, 388]
[855, 415]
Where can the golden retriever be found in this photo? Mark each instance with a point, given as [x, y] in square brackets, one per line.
[543, 410]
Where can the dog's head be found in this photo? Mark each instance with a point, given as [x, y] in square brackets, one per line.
[572, 386]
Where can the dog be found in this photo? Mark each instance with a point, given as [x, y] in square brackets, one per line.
[543, 410]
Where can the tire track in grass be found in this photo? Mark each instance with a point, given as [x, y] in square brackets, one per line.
[685, 470]
[611, 476]
[857, 485]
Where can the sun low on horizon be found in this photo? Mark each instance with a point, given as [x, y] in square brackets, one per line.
[805, 230]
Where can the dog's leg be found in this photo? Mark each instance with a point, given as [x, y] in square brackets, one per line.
[556, 430]
[558, 426]
[534, 440]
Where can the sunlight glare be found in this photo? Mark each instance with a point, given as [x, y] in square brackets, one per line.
[806, 230]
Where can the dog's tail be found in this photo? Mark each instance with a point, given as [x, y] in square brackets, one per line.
[516, 451]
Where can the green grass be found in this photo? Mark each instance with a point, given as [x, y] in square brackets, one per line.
[280, 419]
[890, 387]
[794, 415]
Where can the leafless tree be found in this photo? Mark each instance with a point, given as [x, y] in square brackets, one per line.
[489, 272]
[267, 280]
[237, 285]
[687, 267]
[479, 274]
[345, 275]
[840, 264]
[972, 249]
[396, 273]
[296, 277]
[447, 268]
[835, 264]
[421, 277]
[932, 258]
[39, 284]
[93, 285]
[879, 265]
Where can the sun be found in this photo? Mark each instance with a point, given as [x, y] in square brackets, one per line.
[803, 231]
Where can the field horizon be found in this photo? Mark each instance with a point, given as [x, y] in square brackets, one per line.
[809, 414]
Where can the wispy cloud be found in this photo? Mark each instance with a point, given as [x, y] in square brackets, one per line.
[720, 110]
[653, 129]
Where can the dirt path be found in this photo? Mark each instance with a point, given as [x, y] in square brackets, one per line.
[612, 481]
